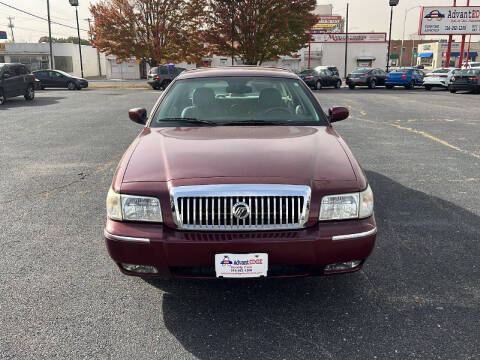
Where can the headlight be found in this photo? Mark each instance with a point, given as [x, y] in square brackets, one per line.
[133, 208]
[347, 206]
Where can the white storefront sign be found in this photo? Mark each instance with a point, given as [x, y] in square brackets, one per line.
[449, 20]
[352, 38]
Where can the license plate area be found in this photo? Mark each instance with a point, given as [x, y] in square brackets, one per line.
[228, 265]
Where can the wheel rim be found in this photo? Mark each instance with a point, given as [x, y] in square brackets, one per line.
[318, 85]
[31, 92]
[71, 86]
[373, 85]
[2, 99]
[339, 84]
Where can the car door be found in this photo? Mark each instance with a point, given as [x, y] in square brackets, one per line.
[16, 80]
[380, 75]
[330, 80]
[419, 77]
[58, 80]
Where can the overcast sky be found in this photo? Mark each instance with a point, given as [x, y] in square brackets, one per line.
[365, 16]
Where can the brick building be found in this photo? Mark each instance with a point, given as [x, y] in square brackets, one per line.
[409, 46]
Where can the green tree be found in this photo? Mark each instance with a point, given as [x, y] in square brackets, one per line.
[156, 31]
[71, 39]
[264, 29]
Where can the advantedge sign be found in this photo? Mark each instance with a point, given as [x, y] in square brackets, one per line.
[446, 20]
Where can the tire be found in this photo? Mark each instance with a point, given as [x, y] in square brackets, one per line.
[30, 93]
[453, 91]
[338, 85]
[318, 85]
[351, 87]
[2, 98]
[411, 86]
[389, 86]
[372, 84]
[428, 87]
[71, 86]
[164, 84]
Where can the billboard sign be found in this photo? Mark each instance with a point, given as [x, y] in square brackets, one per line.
[352, 38]
[450, 20]
[328, 23]
[3, 35]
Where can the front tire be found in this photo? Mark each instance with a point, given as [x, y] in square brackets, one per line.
[351, 87]
[29, 93]
[372, 84]
[71, 86]
[452, 90]
[2, 98]
[428, 87]
[318, 85]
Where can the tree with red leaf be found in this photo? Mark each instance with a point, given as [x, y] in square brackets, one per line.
[156, 31]
[264, 29]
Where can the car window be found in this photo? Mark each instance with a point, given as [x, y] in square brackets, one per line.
[224, 100]
[307, 72]
[361, 71]
[153, 70]
[328, 72]
[440, 71]
[163, 70]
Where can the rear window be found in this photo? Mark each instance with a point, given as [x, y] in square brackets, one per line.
[469, 72]
[475, 65]
[401, 71]
[362, 71]
[441, 71]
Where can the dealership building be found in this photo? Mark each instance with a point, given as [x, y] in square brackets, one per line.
[433, 55]
[65, 55]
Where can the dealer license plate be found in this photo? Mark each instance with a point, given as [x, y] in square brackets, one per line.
[241, 265]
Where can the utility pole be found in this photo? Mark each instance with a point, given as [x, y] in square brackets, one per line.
[11, 26]
[52, 64]
[98, 53]
[346, 42]
[75, 4]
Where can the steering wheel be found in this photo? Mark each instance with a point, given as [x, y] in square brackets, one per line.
[277, 108]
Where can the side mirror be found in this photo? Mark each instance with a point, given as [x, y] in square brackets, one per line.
[138, 115]
[338, 113]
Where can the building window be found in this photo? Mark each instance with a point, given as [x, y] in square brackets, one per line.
[64, 63]
[33, 62]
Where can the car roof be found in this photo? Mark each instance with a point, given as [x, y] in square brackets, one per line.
[240, 71]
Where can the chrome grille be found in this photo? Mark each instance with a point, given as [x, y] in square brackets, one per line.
[211, 207]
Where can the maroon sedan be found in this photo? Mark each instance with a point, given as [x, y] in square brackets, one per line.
[239, 173]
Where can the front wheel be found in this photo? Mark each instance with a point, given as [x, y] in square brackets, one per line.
[452, 90]
[428, 87]
[71, 86]
[372, 84]
[351, 87]
[30, 93]
[338, 85]
[2, 98]
[318, 85]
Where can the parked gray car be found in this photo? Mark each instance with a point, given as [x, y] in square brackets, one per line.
[159, 77]
[16, 80]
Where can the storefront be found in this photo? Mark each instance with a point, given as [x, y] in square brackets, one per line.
[434, 55]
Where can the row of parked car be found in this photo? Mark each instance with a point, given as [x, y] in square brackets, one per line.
[453, 79]
[17, 80]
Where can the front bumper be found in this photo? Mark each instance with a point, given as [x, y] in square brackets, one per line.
[435, 82]
[183, 254]
[83, 84]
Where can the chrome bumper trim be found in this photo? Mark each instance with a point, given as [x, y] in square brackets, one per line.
[354, 236]
[124, 238]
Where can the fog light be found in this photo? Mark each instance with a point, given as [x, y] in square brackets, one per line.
[343, 266]
[143, 269]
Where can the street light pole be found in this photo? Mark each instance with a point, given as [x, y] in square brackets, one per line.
[403, 37]
[52, 65]
[392, 4]
[75, 3]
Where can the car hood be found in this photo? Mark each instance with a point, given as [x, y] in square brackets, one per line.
[302, 152]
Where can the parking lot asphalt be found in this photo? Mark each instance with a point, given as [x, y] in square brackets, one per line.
[417, 297]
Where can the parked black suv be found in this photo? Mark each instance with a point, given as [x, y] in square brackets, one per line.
[16, 80]
[321, 76]
[59, 79]
[366, 77]
[160, 77]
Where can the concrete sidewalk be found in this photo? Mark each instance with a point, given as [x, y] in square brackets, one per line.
[102, 83]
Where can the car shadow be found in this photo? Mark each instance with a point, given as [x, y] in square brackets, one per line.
[19, 101]
[417, 288]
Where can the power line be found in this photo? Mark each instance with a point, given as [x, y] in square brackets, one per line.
[39, 17]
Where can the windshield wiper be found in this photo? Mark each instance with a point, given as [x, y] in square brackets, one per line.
[252, 122]
[189, 120]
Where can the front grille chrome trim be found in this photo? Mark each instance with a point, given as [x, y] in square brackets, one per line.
[258, 195]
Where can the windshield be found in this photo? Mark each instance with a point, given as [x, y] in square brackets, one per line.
[237, 101]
